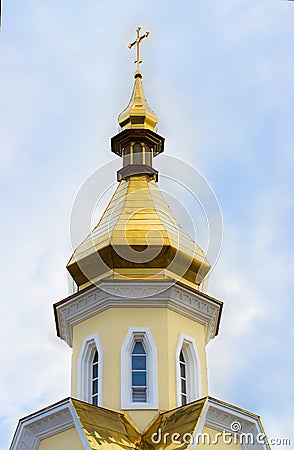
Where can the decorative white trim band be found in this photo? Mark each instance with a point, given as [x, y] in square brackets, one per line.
[227, 418]
[215, 414]
[46, 423]
[136, 294]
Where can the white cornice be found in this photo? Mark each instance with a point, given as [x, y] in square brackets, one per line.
[230, 419]
[137, 294]
[62, 416]
[43, 424]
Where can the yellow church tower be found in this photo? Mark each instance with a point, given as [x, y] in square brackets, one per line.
[139, 322]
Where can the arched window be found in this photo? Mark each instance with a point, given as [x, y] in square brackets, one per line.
[187, 371]
[183, 376]
[95, 379]
[137, 153]
[139, 373]
[90, 371]
[139, 386]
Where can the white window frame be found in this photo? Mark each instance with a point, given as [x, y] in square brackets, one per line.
[85, 361]
[144, 335]
[193, 374]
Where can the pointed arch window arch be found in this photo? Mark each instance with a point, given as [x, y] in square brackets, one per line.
[139, 372]
[95, 379]
[139, 385]
[188, 373]
[90, 371]
[183, 378]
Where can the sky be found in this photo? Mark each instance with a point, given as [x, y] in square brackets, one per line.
[219, 75]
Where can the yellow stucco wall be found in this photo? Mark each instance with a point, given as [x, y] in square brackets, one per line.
[112, 326]
[218, 441]
[68, 439]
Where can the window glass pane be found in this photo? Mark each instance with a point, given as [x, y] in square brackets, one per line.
[139, 362]
[94, 387]
[138, 154]
[137, 148]
[184, 400]
[148, 156]
[183, 370]
[139, 379]
[95, 371]
[126, 157]
[95, 400]
[139, 349]
[182, 359]
[183, 383]
[95, 359]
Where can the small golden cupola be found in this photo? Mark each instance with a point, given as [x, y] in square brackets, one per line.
[138, 236]
[138, 114]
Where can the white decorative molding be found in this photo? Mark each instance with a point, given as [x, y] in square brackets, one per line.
[62, 416]
[46, 423]
[220, 418]
[230, 419]
[137, 294]
[84, 387]
[194, 380]
[126, 372]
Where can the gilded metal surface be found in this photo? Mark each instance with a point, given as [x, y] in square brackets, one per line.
[137, 42]
[105, 429]
[138, 114]
[181, 421]
[138, 235]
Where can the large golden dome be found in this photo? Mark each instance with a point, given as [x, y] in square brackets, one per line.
[138, 237]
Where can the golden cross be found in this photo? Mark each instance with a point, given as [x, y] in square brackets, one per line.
[138, 41]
